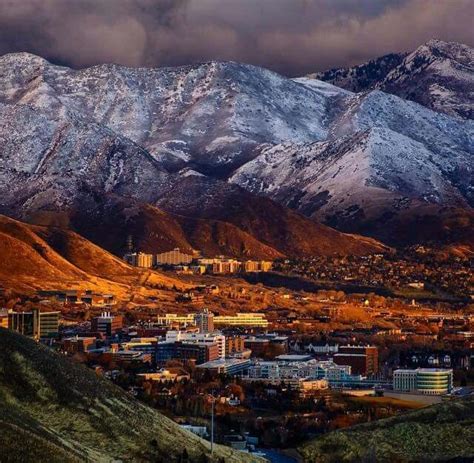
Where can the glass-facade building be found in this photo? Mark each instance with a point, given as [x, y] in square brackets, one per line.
[428, 381]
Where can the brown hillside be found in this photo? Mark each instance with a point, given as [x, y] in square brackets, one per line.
[281, 228]
[34, 257]
[110, 222]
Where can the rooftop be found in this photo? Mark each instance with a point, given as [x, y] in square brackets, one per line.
[293, 357]
[223, 362]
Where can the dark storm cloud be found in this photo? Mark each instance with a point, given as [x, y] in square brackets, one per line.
[290, 36]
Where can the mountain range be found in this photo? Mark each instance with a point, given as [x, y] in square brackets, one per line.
[230, 158]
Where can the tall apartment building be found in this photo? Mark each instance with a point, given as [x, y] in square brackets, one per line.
[174, 257]
[234, 344]
[242, 319]
[198, 338]
[363, 360]
[204, 321]
[426, 381]
[139, 259]
[107, 324]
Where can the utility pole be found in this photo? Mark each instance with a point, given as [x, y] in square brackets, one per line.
[212, 423]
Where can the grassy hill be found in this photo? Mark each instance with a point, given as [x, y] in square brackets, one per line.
[35, 257]
[443, 432]
[56, 411]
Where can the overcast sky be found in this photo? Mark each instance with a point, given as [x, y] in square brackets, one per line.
[293, 37]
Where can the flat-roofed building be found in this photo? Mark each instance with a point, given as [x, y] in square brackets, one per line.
[234, 344]
[48, 324]
[175, 319]
[226, 266]
[249, 319]
[258, 346]
[362, 359]
[174, 257]
[427, 381]
[185, 351]
[231, 367]
[78, 344]
[139, 259]
[198, 338]
[204, 321]
[34, 324]
[256, 266]
[107, 323]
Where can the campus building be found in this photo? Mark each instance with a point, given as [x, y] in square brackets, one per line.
[185, 351]
[175, 319]
[204, 321]
[231, 367]
[174, 257]
[34, 324]
[363, 360]
[427, 381]
[107, 324]
[242, 319]
[198, 338]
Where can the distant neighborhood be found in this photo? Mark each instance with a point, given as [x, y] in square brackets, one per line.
[193, 263]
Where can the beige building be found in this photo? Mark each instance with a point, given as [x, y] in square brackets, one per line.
[172, 319]
[241, 319]
[256, 266]
[139, 259]
[174, 257]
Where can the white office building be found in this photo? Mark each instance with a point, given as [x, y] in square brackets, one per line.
[426, 381]
[198, 338]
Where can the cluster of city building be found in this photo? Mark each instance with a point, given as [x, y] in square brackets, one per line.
[213, 345]
[194, 264]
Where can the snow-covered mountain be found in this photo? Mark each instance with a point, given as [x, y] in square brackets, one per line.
[210, 115]
[173, 137]
[384, 155]
[438, 75]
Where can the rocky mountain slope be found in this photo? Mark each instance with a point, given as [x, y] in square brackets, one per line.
[209, 115]
[389, 158]
[438, 75]
[177, 137]
[440, 433]
[54, 410]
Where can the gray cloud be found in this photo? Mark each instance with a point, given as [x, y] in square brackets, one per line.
[290, 36]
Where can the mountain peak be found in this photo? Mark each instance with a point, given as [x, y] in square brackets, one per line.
[438, 75]
[23, 58]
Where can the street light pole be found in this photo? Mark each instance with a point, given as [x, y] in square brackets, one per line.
[212, 423]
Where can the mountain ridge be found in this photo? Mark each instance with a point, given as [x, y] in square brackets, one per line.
[72, 137]
[438, 75]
